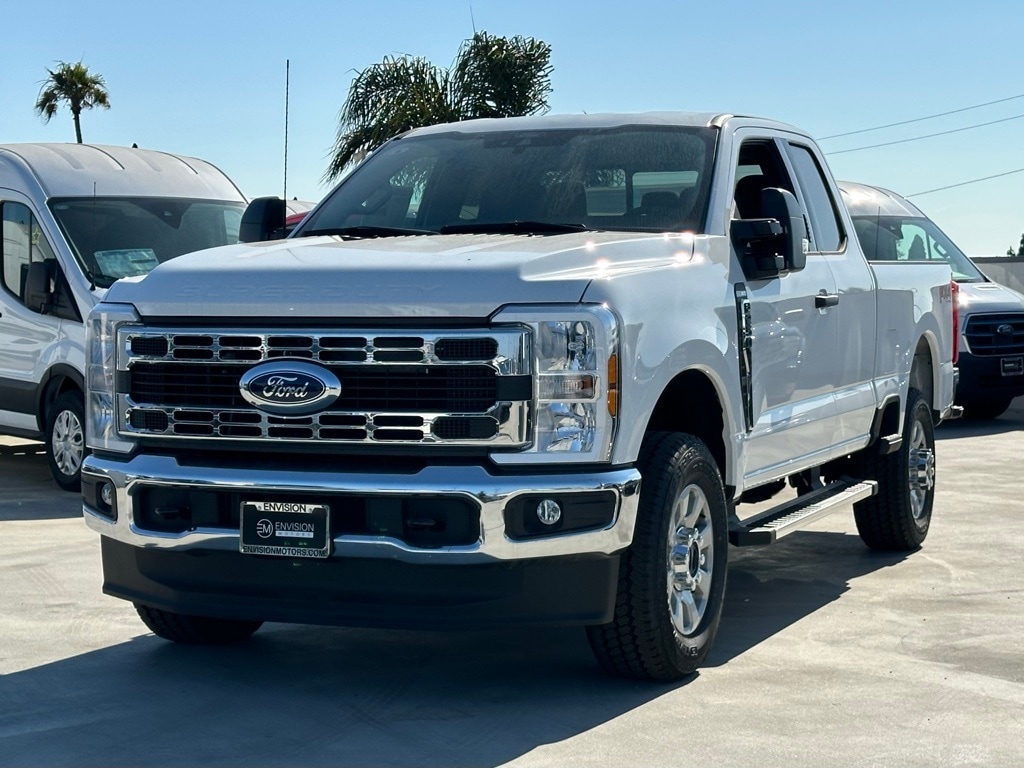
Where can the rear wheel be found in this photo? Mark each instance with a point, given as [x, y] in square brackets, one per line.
[195, 630]
[898, 516]
[672, 579]
[65, 440]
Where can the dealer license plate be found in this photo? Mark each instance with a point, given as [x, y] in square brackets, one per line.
[285, 529]
[1012, 366]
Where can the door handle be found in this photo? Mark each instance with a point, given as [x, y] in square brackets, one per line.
[823, 300]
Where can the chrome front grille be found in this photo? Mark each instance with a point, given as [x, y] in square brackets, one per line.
[995, 334]
[468, 388]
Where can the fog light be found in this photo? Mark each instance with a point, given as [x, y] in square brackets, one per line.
[107, 494]
[549, 512]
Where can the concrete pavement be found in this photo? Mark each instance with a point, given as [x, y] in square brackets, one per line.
[828, 654]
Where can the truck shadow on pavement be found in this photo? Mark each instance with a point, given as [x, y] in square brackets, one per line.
[321, 695]
[313, 696]
[950, 430]
[772, 587]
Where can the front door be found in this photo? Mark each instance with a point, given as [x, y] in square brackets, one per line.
[792, 407]
[27, 338]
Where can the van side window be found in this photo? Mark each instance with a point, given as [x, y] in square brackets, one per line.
[24, 243]
[826, 230]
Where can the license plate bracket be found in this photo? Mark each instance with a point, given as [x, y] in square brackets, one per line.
[1012, 366]
[285, 529]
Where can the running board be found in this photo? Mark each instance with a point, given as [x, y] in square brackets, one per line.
[782, 520]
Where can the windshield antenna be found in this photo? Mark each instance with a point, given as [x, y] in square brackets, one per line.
[287, 75]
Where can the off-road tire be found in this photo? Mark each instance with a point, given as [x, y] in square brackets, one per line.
[65, 440]
[195, 630]
[893, 520]
[642, 641]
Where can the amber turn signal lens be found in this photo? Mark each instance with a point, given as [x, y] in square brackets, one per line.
[613, 385]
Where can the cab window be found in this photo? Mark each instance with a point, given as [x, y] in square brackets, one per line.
[24, 243]
[759, 167]
[826, 230]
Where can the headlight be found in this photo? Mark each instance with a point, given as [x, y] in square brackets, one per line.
[575, 368]
[101, 367]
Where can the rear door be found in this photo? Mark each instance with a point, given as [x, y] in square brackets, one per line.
[847, 369]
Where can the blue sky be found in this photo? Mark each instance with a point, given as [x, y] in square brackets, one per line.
[207, 79]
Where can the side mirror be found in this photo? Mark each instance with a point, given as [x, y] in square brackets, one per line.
[776, 244]
[781, 205]
[263, 220]
[38, 296]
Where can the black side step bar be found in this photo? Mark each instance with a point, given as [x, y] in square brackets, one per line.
[769, 526]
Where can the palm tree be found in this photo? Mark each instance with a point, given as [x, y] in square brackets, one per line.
[76, 85]
[491, 77]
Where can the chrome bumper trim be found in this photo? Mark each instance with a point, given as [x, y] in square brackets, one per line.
[490, 492]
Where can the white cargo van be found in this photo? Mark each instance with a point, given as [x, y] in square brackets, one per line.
[76, 218]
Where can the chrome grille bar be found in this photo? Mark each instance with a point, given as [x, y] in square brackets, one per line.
[152, 353]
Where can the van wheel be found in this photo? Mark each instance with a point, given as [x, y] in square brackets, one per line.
[672, 579]
[897, 518]
[65, 440]
[195, 630]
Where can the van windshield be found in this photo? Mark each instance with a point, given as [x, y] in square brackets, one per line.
[128, 236]
[912, 238]
[539, 182]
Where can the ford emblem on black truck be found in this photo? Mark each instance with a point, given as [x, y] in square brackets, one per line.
[289, 388]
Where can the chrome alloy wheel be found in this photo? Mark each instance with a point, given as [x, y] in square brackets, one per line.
[690, 560]
[922, 470]
[68, 442]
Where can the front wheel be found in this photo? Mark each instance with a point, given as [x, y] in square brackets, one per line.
[672, 579]
[896, 519]
[195, 630]
[65, 440]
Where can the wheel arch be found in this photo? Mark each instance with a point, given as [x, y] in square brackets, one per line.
[924, 372]
[59, 379]
[701, 415]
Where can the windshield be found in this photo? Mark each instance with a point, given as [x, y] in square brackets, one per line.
[124, 237]
[635, 179]
[906, 238]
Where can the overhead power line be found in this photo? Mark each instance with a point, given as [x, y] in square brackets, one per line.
[965, 183]
[926, 117]
[926, 136]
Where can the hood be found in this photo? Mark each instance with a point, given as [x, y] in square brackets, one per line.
[989, 297]
[463, 276]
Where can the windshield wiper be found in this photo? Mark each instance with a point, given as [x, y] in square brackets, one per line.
[512, 228]
[366, 231]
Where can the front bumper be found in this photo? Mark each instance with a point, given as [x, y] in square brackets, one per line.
[492, 494]
[364, 592]
[982, 378]
[367, 580]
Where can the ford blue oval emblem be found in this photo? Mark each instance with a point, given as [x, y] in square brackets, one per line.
[289, 387]
[1005, 329]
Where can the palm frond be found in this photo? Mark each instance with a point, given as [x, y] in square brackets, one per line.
[491, 77]
[384, 100]
[72, 83]
[502, 76]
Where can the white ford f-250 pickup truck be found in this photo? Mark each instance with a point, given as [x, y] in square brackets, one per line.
[520, 370]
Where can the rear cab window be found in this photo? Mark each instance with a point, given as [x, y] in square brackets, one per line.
[826, 234]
